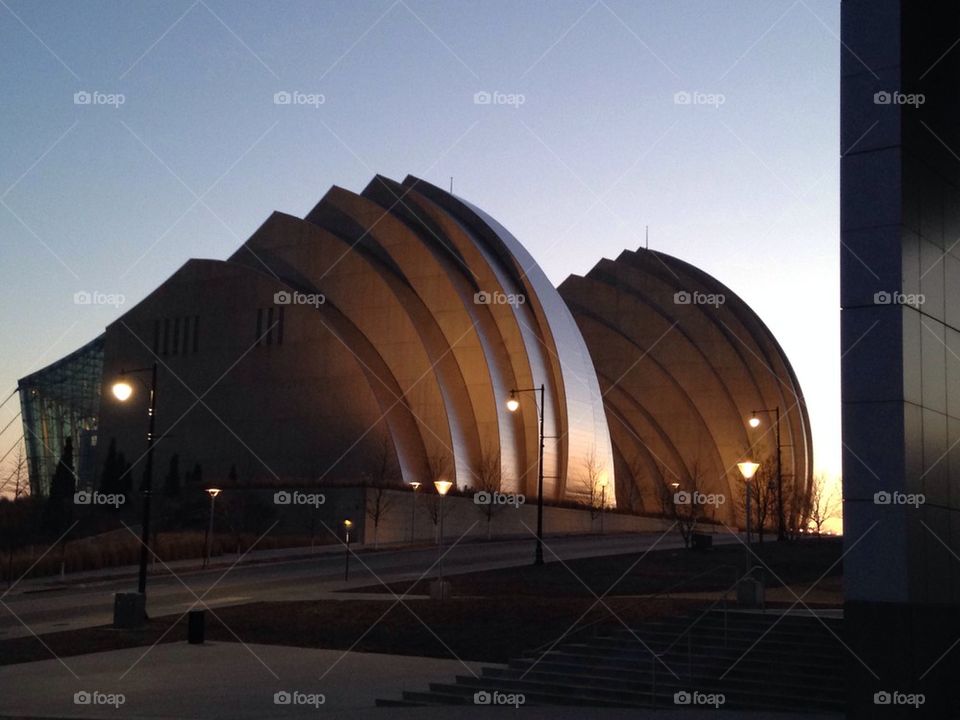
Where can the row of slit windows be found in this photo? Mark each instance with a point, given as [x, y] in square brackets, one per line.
[176, 336]
[269, 326]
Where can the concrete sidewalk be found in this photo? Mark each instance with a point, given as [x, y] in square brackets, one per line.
[230, 681]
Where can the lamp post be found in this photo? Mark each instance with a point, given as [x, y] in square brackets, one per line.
[212, 492]
[748, 469]
[122, 391]
[443, 487]
[603, 500]
[754, 422]
[347, 524]
[413, 514]
[513, 405]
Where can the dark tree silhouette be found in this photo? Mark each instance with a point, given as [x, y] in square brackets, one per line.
[171, 483]
[58, 511]
[110, 477]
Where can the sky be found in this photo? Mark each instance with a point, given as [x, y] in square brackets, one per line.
[137, 135]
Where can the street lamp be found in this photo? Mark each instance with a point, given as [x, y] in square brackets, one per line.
[748, 469]
[123, 391]
[212, 492]
[347, 524]
[413, 515]
[443, 487]
[513, 405]
[603, 499]
[754, 422]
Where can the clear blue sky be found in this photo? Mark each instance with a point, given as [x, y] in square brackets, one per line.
[100, 197]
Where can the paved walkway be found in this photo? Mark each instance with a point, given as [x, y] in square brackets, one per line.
[229, 681]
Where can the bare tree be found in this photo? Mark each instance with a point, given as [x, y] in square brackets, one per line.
[763, 499]
[16, 478]
[382, 477]
[825, 503]
[682, 498]
[592, 478]
[487, 480]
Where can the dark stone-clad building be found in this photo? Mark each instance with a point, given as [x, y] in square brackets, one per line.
[900, 293]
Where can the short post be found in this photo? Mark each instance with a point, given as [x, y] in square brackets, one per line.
[196, 621]
[347, 524]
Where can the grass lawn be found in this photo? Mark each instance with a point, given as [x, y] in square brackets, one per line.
[494, 615]
[656, 572]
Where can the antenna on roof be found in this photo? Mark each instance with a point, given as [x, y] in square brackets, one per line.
[646, 239]
[451, 184]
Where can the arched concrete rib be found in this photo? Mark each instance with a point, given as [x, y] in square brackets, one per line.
[435, 299]
[664, 334]
[257, 279]
[568, 373]
[786, 394]
[666, 401]
[742, 366]
[529, 320]
[504, 350]
[285, 242]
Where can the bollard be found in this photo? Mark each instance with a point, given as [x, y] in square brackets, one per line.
[195, 627]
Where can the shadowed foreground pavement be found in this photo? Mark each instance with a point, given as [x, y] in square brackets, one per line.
[234, 682]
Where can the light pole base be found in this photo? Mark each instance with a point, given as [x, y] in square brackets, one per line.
[750, 593]
[129, 610]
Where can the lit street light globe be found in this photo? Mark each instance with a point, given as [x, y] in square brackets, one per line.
[512, 404]
[122, 390]
[443, 486]
[754, 421]
[748, 469]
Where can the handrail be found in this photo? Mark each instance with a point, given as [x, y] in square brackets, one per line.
[710, 607]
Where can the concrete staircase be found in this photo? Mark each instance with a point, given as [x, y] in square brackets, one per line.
[757, 661]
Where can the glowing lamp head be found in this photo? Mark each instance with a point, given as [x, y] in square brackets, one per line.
[674, 485]
[513, 404]
[415, 485]
[213, 492]
[748, 469]
[754, 421]
[122, 390]
[443, 486]
[348, 524]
